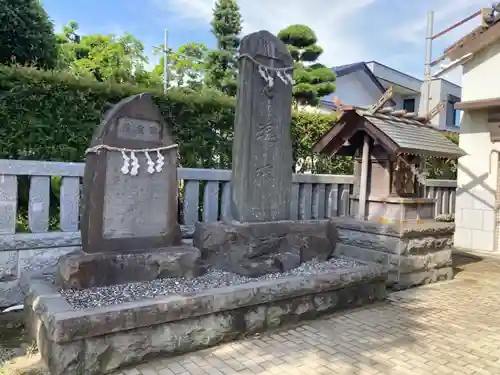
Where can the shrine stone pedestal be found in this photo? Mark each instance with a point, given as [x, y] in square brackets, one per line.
[400, 233]
[395, 209]
[256, 249]
[415, 253]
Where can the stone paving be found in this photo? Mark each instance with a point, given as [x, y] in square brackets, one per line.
[446, 328]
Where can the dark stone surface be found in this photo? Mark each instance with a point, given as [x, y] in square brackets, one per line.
[102, 340]
[82, 271]
[124, 212]
[410, 280]
[414, 255]
[261, 178]
[395, 245]
[407, 230]
[254, 249]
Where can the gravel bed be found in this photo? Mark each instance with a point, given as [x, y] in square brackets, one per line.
[213, 278]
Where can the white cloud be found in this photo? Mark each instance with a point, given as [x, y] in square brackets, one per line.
[348, 30]
[446, 14]
[330, 27]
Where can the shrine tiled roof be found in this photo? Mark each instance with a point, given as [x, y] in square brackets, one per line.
[398, 131]
[412, 134]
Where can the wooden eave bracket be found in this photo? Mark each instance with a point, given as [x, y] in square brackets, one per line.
[435, 111]
[382, 101]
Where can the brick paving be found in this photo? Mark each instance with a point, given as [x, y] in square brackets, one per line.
[447, 328]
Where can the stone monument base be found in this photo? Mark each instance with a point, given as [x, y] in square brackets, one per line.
[256, 249]
[102, 340]
[84, 270]
[415, 253]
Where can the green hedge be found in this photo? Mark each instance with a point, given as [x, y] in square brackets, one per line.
[51, 116]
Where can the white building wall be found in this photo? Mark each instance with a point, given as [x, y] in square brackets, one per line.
[440, 91]
[392, 75]
[355, 89]
[478, 170]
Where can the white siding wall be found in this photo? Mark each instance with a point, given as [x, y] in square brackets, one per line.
[355, 89]
[440, 91]
[478, 170]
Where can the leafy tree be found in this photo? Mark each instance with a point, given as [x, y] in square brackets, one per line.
[69, 48]
[312, 80]
[185, 66]
[222, 64]
[26, 34]
[106, 57]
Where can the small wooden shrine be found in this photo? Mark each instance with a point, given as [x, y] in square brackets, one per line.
[389, 148]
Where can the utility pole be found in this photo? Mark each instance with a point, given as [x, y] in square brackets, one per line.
[165, 51]
[428, 61]
[165, 62]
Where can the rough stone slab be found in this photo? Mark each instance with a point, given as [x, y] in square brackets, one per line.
[424, 244]
[82, 271]
[403, 264]
[42, 261]
[78, 324]
[377, 242]
[429, 227]
[8, 265]
[34, 264]
[405, 281]
[425, 262]
[52, 240]
[252, 249]
[10, 293]
[100, 341]
[24, 265]
[363, 254]
[394, 245]
[46, 241]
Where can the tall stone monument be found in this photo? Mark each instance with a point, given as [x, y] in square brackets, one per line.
[261, 238]
[129, 221]
[262, 148]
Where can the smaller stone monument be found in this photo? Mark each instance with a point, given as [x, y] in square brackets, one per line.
[129, 223]
[261, 238]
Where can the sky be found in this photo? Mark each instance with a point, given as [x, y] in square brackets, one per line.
[391, 32]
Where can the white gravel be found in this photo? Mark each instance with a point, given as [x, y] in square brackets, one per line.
[115, 294]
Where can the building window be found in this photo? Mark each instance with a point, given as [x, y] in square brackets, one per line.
[457, 117]
[452, 115]
[409, 105]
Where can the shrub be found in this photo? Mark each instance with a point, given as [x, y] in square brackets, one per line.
[52, 115]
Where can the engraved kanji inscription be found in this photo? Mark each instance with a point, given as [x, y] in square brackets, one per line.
[266, 132]
[138, 129]
[266, 172]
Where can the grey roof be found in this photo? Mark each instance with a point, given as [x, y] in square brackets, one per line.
[412, 136]
[343, 70]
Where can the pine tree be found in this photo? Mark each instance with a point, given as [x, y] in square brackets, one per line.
[312, 80]
[222, 63]
[26, 34]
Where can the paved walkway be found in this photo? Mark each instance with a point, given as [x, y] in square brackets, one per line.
[447, 328]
